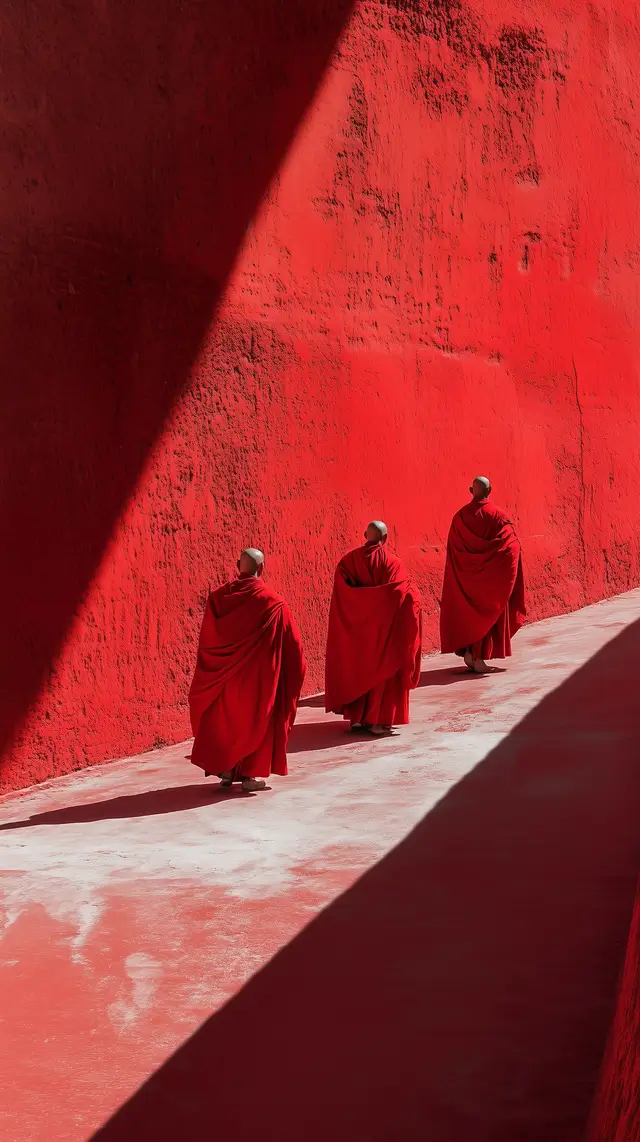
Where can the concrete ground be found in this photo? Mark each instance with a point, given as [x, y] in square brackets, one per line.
[413, 938]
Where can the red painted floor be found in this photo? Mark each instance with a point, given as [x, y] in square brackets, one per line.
[416, 938]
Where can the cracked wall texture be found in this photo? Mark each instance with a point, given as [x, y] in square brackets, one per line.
[442, 279]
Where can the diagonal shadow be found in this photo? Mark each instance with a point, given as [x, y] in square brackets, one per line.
[179, 798]
[449, 675]
[153, 802]
[446, 676]
[315, 701]
[462, 990]
[309, 736]
[164, 125]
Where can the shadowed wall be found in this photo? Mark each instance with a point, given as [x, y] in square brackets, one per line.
[255, 294]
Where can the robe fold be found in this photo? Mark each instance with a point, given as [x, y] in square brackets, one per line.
[374, 645]
[247, 682]
[483, 600]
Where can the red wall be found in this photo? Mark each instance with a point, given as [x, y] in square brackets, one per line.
[442, 278]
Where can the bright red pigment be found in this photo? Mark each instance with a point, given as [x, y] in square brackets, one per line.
[247, 682]
[442, 278]
[483, 594]
[374, 645]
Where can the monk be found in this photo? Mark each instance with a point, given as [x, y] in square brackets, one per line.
[483, 593]
[375, 638]
[247, 683]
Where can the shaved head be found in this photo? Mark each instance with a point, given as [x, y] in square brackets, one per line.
[376, 532]
[480, 487]
[251, 561]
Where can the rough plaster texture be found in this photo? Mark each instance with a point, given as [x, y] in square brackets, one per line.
[441, 277]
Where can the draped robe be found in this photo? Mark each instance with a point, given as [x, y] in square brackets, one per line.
[374, 644]
[483, 598]
[247, 681]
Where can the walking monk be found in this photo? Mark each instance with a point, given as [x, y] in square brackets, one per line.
[375, 638]
[248, 678]
[483, 592]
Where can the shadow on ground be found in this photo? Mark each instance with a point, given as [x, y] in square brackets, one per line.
[179, 798]
[152, 802]
[308, 736]
[315, 701]
[462, 990]
[444, 677]
[448, 676]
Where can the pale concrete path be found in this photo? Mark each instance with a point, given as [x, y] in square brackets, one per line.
[467, 989]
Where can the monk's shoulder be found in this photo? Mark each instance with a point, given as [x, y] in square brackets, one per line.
[495, 512]
[218, 595]
[353, 556]
[351, 563]
[268, 596]
[394, 562]
[241, 592]
[228, 587]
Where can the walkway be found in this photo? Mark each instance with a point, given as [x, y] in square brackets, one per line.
[450, 908]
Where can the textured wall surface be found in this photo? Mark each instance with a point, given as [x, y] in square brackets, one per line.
[252, 295]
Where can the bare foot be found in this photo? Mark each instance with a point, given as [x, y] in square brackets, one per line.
[468, 660]
[379, 731]
[226, 780]
[481, 667]
[252, 785]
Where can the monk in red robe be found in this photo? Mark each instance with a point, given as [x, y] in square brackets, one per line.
[247, 682]
[483, 593]
[374, 646]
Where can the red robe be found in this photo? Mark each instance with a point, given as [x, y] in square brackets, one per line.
[483, 591]
[374, 646]
[247, 682]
